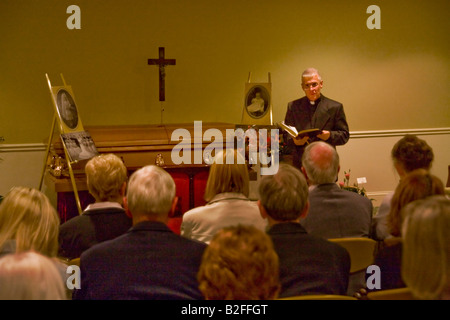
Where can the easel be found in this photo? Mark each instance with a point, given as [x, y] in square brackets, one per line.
[62, 130]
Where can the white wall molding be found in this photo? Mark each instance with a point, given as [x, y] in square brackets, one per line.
[399, 132]
[22, 147]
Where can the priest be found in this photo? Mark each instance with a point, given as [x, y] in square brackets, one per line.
[314, 110]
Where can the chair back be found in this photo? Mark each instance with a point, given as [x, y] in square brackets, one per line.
[361, 251]
[319, 297]
[75, 261]
[391, 294]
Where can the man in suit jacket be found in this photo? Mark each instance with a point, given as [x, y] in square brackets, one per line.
[333, 212]
[308, 264]
[149, 261]
[315, 110]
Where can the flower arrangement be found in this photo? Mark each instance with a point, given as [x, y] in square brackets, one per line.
[355, 188]
[284, 147]
[264, 141]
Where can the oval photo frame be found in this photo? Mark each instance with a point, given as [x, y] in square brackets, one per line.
[67, 108]
[257, 102]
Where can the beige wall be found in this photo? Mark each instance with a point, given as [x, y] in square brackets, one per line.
[369, 155]
[393, 78]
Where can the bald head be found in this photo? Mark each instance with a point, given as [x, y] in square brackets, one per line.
[321, 156]
[321, 163]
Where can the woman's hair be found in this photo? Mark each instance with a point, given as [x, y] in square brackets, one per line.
[284, 195]
[151, 191]
[416, 185]
[426, 247]
[30, 276]
[105, 176]
[412, 153]
[228, 173]
[239, 264]
[28, 217]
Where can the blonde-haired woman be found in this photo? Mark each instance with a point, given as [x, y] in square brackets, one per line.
[30, 276]
[426, 248]
[226, 193]
[28, 221]
[106, 219]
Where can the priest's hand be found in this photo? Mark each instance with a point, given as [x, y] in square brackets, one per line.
[301, 141]
[325, 135]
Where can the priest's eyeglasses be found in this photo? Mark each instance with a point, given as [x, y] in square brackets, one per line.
[309, 86]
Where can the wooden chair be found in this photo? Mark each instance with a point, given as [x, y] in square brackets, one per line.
[319, 297]
[448, 177]
[361, 252]
[391, 294]
[75, 261]
[447, 191]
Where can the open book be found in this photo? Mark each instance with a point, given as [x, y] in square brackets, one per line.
[295, 134]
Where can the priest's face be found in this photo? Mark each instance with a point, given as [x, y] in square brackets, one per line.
[312, 86]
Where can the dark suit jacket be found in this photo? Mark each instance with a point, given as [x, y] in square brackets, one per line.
[148, 262]
[337, 213]
[93, 226]
[389, 259]
[309, 264]
[329, 115]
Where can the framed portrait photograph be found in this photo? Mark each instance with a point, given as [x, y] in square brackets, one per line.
[66, 109]
[257, 108]
[79, 145]
[257, 101]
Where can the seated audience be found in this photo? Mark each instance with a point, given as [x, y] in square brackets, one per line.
[408, 154]
[149, 261]
[308, 264]
[29, 275]
[239, 264]
[106, 178]
[333, 212]
[426, 248]
[416, 185]
[226, 193]
[28, 221]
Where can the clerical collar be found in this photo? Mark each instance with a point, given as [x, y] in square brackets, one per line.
[313, 103]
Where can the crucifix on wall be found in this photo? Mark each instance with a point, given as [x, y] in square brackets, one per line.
[162, 63]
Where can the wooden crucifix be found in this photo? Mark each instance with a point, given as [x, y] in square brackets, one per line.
[162, 63]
